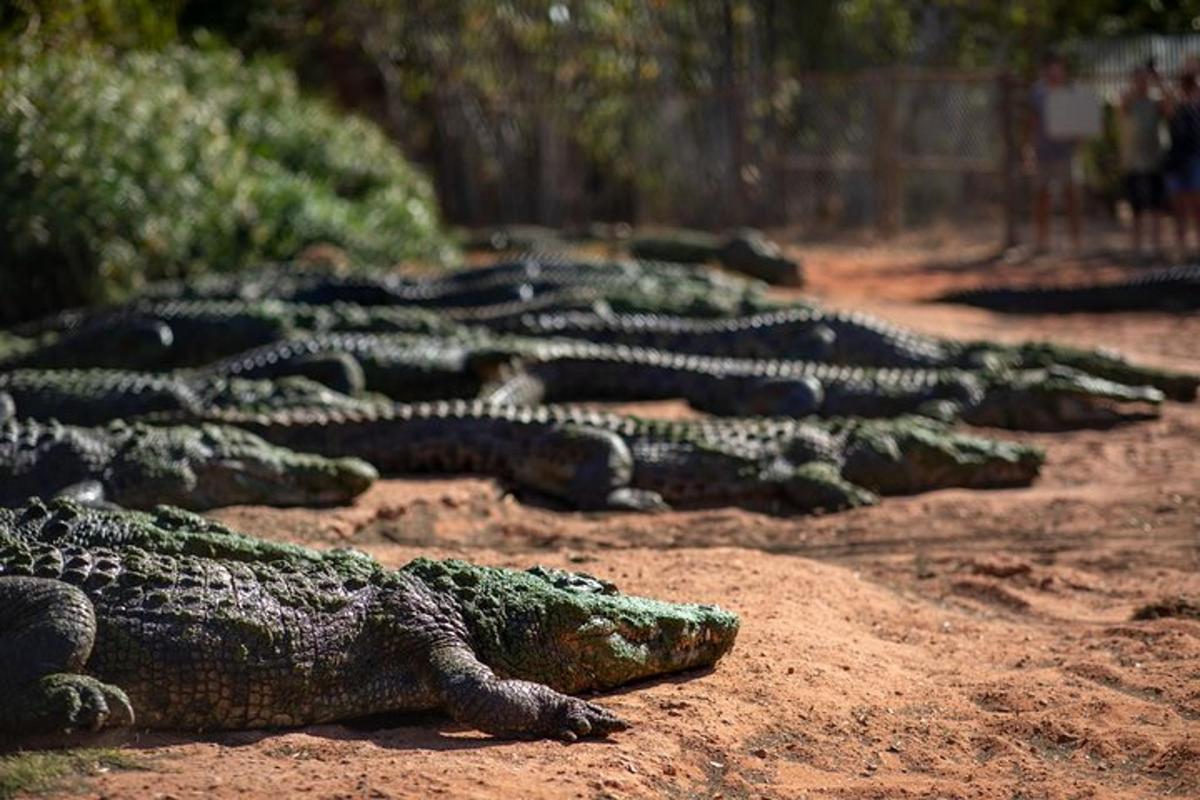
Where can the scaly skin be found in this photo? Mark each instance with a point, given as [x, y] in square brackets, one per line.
[140, 466]
[527, 371]
[196, 331]
[642, 286]
[779, 464]
[590, 459]
[199, 332]
[96, 396]
[904, 455]
[1104, 364]
[1059, 398]
[167, 620]
[802, 334]
[1170, 288]
[401, 366]
[810, 334]
[1029, 399]
[136, 342]
[93, 397]
[679, 245]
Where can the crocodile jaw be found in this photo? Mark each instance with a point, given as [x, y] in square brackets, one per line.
[574, 632]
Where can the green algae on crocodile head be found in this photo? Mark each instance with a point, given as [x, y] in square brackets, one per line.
[1060, 398]
[141, 466]
[600, 638]
[912, 454]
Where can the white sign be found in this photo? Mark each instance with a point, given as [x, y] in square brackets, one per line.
[1072, 112]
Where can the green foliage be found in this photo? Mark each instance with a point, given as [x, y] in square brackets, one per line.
[28, 27]
[115, 170]
[38, 772]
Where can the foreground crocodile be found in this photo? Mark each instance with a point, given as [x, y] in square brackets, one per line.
[139, 466]
[1168, 289]
[593, 459]
[167, 620]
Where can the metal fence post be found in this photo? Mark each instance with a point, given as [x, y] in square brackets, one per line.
[1010, 167]
[886, 166]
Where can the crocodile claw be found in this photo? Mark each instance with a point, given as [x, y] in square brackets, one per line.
[82, 703]
[582, 719]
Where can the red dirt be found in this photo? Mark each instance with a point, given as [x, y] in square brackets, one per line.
[954, 644]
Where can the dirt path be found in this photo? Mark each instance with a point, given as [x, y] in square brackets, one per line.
[955, 644]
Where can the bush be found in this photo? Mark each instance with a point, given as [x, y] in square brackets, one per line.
[119, 170]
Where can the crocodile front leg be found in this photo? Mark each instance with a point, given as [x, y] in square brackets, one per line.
[341, 372]
[472, 694]
[588, 467]
[47, 628]
[519, 389]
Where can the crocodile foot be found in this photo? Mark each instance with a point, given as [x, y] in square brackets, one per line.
[67, 702]
[627, 499]
[576, 719]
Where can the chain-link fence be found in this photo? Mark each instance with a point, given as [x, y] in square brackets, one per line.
[887, 148]
[883, 148]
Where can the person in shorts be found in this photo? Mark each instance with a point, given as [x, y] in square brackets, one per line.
[1182, 165]
[1141, 118]
[1055, 162]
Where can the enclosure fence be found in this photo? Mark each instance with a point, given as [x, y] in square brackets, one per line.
[884, 148]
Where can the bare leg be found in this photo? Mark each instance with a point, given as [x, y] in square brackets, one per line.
[1193, 199]
[1074, 218]
[1041, 217]
[1177, 211]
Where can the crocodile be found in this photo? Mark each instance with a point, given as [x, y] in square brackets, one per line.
[401, 366]
[799, 333]
[743, 250]
[163, 335]
[749, 251]
[527, 371]
[196, 331]
[644, 286]
[166, 620]
[1166, 289]
[898, 456]
[679, 245]
[141, 466]
[1054, 398]
[96, 396]
[589, 459]
[806, 333]
[594, 459]
[141, 341]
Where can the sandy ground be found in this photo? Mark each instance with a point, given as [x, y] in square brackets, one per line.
[955, 644]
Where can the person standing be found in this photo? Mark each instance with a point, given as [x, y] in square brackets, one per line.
[1055, 162]
[1182, 165]
[1142, 153]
